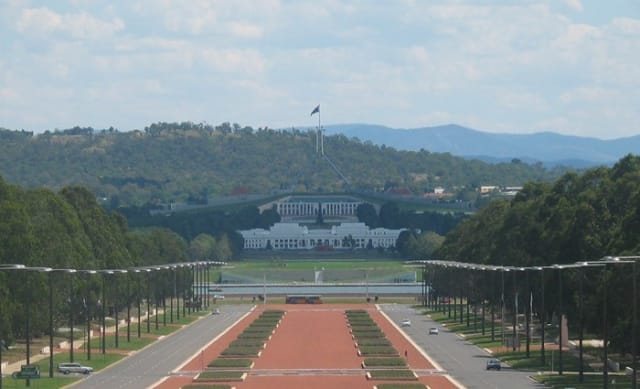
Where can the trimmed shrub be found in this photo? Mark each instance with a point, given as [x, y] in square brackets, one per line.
[377, 350]
[241, 352]
[403, 374]
[373, 342]
[231, 362]
[221, 376]
[384, 362]
[247, 343]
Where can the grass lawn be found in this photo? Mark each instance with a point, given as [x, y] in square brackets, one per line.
[98, 362]
[590, 381]
[318, 264]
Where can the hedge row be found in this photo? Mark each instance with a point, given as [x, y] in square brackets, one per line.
[384, 362]
[398, 374]
[247, 345]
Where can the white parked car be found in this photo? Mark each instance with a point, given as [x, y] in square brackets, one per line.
[66, 368]
[433, 331]
[406, 323]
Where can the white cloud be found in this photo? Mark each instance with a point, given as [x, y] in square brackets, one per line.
[43, 21]
[588, 94]
[575, 5]
[503, 65]
[245, 30]
[627, 25]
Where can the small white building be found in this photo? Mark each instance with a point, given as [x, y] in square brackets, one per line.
[293, 236]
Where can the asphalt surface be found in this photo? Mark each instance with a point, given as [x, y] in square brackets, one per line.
[462, 360]
[155, 362]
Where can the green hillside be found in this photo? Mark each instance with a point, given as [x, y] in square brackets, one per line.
[192, 162]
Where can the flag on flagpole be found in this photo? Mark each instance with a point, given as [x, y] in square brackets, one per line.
[316, 110]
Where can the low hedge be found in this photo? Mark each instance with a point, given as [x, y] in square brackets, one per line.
[377, 350]
[247, 343]
[230, 362]
[384, 362]
[403, 374]
[255, 334]
[221, 376]
[365, 329]
[368, 335]
[241, 352]
[272, 313]
[258, 330]
[354, 323]
[373, 342]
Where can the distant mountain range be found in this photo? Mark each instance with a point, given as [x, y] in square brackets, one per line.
[546, 147]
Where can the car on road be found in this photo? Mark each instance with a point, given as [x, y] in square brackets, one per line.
[493, 364]
[406, 323]
[67, 368]
[433, 331]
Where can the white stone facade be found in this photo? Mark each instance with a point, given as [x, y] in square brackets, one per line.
[307, 208]
[293, 236]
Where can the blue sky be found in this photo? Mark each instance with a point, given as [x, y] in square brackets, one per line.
[516, 66]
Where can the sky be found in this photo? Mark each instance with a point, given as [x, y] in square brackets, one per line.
[506, 66]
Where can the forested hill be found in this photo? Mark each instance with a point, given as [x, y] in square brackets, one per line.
[187, 161]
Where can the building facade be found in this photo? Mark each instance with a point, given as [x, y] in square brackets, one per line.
[293, 236]
[308, 208]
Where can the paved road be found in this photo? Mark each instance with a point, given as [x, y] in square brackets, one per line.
[462, 360]
[155, 362]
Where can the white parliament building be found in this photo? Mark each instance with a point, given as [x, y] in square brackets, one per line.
[296, 232]
[294, 236]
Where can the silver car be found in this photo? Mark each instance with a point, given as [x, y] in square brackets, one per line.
[70, 367]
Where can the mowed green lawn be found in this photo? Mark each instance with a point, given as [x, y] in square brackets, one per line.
[306, 264]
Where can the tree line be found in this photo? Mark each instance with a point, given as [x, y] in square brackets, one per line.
[576, 218]
[70, 230]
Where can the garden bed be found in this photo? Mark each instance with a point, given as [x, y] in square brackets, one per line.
[404, 375]
[221, 376]
[231, 363]
[383, 362]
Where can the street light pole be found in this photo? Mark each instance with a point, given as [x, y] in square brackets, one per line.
[605, 337]
[527, 314]
[502, 270]
[128, 309]
[2, 344]
[581, 324]
[139, 303]
[634, 330]
[515, 314]
[71, 323]
[148, 300]
[560, 320]
[543, 358]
